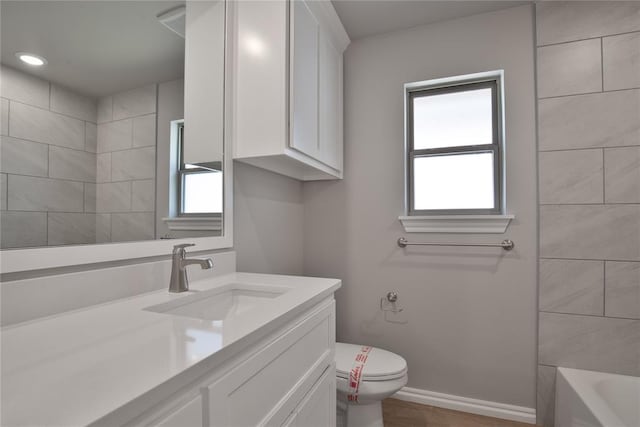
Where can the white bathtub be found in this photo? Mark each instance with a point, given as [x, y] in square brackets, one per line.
[596, 399]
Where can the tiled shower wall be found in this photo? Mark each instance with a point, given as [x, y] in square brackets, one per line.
[126, 165]
[47, 163]
[589, 190]
[66, 180]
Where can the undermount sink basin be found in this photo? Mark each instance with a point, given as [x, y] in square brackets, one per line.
[221, 303]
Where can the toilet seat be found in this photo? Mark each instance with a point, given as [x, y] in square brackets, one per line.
[381, 365]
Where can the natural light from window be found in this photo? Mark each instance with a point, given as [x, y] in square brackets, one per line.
[202, 193]
[453, 119]
[443, 182]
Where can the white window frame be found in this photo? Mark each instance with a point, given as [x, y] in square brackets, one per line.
[178, 220]
[458, 220]
[183, 171]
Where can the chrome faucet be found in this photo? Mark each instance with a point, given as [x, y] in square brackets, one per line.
[179, 281]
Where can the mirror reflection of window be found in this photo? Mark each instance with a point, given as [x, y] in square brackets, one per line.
[200, 188]
[196, 186]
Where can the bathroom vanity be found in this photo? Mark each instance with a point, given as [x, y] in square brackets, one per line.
[237, 350]
[91, 335]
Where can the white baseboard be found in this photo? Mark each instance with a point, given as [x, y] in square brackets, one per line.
[466, 404]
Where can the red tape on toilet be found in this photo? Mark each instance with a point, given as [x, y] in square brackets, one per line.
[355, 375]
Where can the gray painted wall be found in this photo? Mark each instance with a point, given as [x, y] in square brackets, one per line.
[268, 221]
[469, 325]
[589, 181]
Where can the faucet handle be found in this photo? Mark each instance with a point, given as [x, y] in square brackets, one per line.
[180, 247]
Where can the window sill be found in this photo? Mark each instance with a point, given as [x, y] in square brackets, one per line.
[194, 223]
[456, 223]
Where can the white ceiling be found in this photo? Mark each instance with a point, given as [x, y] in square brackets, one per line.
[94, 47]
[362, 18]
[103, 47]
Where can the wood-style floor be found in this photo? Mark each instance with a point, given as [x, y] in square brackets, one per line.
[397, 413]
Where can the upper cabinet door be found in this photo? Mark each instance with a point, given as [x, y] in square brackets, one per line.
[330, 103]
[304, 108]
[260, 81]
[288, 87]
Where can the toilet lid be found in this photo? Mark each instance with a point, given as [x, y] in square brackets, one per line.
[381, 365]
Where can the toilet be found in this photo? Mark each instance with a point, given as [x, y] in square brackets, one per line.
[364, 377]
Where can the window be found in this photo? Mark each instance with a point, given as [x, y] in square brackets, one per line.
[454, 146]
[199, 187]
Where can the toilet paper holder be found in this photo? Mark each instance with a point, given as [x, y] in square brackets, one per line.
[388, 303]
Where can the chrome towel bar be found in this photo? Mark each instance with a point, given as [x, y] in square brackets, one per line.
[506, 244]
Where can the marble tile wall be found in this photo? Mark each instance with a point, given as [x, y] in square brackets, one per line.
[588, 79]
[126, 159]
[68, 162]
[48, 140]
[3, 191]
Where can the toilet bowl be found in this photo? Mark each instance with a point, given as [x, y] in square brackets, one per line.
[364, 377]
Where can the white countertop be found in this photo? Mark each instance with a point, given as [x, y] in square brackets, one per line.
[76, 367]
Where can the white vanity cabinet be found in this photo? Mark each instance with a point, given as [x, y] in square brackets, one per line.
[287, 84]
[187, 415]
[318, 408]
[288, 378]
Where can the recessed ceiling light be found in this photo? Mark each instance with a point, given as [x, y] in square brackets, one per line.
[31, 59]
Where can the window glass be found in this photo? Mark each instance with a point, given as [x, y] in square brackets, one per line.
[460, 181]
[454, 147]
[453, 119]
[202, 193]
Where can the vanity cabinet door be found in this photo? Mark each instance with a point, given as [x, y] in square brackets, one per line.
[318, 408]
[189, 415]
[266, 388]
[291, 421]
[304, 99]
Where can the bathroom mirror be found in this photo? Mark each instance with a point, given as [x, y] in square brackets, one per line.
[113, 118]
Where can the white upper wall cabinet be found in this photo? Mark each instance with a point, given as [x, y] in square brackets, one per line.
[330, 103]
[287, 88]
[204, 82]
[305, 86]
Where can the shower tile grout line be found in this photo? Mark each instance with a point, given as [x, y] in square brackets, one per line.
[589, 315]
[588, 93]
[602, 36]
[588, 259]
[588, 148]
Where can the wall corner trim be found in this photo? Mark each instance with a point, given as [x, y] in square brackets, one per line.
[466, 404]
[456, 223]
